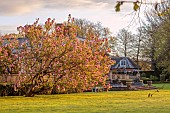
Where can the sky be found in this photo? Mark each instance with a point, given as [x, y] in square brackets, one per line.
[14, 13]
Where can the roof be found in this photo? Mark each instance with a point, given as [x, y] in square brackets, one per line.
[129, 64]
[21, 40]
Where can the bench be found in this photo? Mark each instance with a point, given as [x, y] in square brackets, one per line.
[97, 89]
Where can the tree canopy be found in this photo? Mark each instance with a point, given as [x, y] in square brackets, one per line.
[53, 57]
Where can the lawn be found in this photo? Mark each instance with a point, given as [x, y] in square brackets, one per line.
[165, 86]
[103, 102]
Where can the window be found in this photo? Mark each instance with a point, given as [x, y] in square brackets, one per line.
[123, 63]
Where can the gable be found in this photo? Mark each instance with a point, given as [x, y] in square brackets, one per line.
[124, 62]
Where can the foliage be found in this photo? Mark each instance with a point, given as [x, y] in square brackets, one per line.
[156, 42]
[117, 7]
[152, 41]
[135, 5]
[145, 45]
[161, 7]
[132, 101]
[52, 55]
[162, 54]
[8, 60]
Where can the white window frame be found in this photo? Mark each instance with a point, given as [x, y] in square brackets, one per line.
[123, 63]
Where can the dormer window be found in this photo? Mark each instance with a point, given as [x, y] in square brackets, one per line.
[123, 63]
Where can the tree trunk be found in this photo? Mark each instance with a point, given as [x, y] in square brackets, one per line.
[153, 62]
[30, 92]
[138, 52]
[125, 53]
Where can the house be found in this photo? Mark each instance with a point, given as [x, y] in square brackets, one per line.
[21, 41]
[123, 69]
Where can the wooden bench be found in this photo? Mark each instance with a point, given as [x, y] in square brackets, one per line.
[97, 89]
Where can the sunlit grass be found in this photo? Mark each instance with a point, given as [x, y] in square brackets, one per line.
[103, 102]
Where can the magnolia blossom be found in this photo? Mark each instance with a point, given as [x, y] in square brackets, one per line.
[55, 56]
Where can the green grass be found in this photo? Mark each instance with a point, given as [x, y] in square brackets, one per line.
[103, 102]
[165, 86]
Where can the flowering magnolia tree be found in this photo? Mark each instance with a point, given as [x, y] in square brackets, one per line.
[8, 60]
[52, 56]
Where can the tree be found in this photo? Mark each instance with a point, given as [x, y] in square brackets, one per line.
[162, 53]
[8, 62]
[53, 57]
[84, 27]
[152, 45]
[160, 7]
[125, 41]
[155, 39]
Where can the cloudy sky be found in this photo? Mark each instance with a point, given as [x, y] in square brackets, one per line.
[14, 13]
